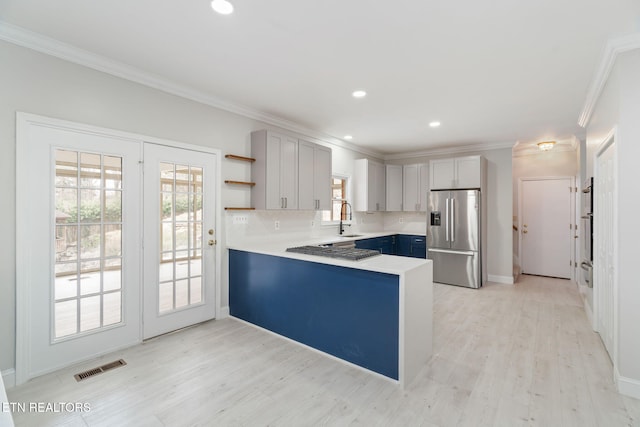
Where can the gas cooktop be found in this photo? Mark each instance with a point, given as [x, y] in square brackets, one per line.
[351, 254]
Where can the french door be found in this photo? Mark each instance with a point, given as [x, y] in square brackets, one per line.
[85, 284]
[180, 236]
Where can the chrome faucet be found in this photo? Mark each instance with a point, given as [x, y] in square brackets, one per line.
[342, 225]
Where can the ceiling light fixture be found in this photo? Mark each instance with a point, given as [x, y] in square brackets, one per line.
[349, 137]
[546, 145]
[434, 124]
[223, 7]
[359, 94]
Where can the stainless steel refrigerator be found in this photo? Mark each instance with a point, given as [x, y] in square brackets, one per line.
[454, 237]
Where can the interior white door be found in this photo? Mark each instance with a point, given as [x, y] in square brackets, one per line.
[546, 227]
[604, 247]
[78, 244]
[179, 238]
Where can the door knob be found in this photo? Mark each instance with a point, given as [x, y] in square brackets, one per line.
[524, 231]
[211, 232]
[212, 242]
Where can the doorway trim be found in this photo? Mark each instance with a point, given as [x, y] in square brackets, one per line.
[610, 139]
[572, 215]
[23, 282]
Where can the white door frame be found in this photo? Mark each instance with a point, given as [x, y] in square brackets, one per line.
[611, 138]
[23, 283]
[572, 215]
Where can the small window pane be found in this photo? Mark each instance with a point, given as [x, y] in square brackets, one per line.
[112, 303]
[196, 290]
[112, 275]
[112, 240]
[165, 294]
[66, 168]
[66, 283]
[89, 313]
[66, 205]
[182, 235]
[90, 206]
[182, 269]
[166, 271]
[90, 169]
[113, 206]
[66, 315]
[182, 179]
[182, 293]
[90, 246]
[90, 278]
[112, 172]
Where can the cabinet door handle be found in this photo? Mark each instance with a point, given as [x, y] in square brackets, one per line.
[286, 202]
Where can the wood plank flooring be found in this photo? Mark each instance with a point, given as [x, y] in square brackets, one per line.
[521, 355]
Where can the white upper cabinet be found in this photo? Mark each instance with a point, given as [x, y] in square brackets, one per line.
[415, 187]
[369, 186]
[314, 184]
[394, 188]
[457, 172]
[275, 170]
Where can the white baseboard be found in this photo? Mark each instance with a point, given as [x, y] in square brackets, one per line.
[627, 386]
[505, 280]
[9, 378]
[223, 312]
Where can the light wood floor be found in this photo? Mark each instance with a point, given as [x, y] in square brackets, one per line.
[503, 356]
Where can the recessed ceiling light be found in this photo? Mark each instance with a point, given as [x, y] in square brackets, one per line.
[434, 124]
[349, 137]
[223, 7]
[359, 94]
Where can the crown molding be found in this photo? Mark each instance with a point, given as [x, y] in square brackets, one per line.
[49, 46]
[471, 148]
[613, 48]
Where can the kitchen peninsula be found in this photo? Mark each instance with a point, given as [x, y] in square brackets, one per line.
[375, 313]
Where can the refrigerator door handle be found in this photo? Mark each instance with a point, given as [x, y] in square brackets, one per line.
[447, 251]
[446, 221]
[452, 217]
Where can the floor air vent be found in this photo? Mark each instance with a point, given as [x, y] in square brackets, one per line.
[100, 369]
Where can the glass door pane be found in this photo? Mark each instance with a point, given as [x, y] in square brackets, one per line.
[88, 242]
[180, 269]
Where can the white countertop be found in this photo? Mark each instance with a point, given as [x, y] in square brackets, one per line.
[390, 264]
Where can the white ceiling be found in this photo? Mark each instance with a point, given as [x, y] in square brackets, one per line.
[492, 72]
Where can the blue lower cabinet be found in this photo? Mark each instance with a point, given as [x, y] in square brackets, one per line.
[348, 313]
[385, 245]
[418, 247]
[404, 245]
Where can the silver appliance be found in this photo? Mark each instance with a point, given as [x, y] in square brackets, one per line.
[453, 237]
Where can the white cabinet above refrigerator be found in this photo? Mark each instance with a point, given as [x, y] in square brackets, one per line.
[457, 172]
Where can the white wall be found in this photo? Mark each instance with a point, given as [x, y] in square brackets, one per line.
[499, 208]
[619, 105]
[43, 85]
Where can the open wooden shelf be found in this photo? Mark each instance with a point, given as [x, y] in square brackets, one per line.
[242, 158]
[239, 209]
[240, 182]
